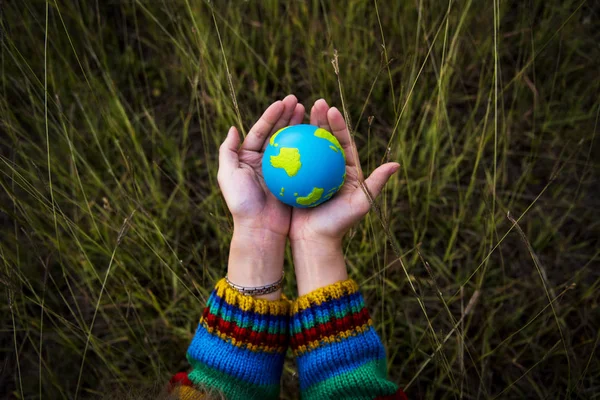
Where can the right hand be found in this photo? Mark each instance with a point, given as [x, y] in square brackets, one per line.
[316, 233]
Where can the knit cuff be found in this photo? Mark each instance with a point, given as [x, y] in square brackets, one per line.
[327, 315]
[247, 322]
[240, 343]
[338, 352]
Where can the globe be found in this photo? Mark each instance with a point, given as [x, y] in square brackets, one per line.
[304, 165]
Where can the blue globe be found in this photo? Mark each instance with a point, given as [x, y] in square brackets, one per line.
[304, 165]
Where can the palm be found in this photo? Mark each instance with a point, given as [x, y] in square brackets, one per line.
[256, 199]
[240, 171]
[333, 218]
[330, 218]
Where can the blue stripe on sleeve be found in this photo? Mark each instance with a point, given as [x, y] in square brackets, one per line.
[219, 306]
[324, 362]
[238, 362]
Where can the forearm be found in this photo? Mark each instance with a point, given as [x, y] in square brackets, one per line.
[256, 259]
[338, 351]
[240, 343]
[318, 263]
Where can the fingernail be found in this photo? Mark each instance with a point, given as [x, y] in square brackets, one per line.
[395, 168]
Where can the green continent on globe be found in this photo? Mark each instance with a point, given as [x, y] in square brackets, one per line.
[323, 134]
[272, 140]
[312, 197]
[288, 159]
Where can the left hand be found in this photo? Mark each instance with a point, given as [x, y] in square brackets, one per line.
[260, 221]
[251, 204]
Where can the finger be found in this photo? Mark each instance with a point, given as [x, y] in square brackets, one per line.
[374, 183]
[263, 127]
[340, 131]
[228, 153]
[298, 115]
[289, 104]
[318, 115]
[313, 116]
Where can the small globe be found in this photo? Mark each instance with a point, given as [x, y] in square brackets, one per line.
[304, 165]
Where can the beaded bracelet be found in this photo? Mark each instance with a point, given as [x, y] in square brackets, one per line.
[258, 290]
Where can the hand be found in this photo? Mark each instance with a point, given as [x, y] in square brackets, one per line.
[261, 222]
[316, 233]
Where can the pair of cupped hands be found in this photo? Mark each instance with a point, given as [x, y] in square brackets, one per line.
[262, 223]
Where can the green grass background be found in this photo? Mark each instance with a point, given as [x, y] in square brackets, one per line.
[113, 229]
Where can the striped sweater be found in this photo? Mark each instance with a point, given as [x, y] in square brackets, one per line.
[240, 344]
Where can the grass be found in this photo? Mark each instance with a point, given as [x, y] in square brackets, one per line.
[114, 230]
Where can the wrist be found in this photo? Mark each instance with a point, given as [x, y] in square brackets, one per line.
[318, 262]
[256, 258]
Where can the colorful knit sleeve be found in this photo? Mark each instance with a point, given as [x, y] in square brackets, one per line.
[338, 353]
[239, 347]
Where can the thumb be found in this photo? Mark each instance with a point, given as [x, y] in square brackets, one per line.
[375, 183]
[228, 153]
